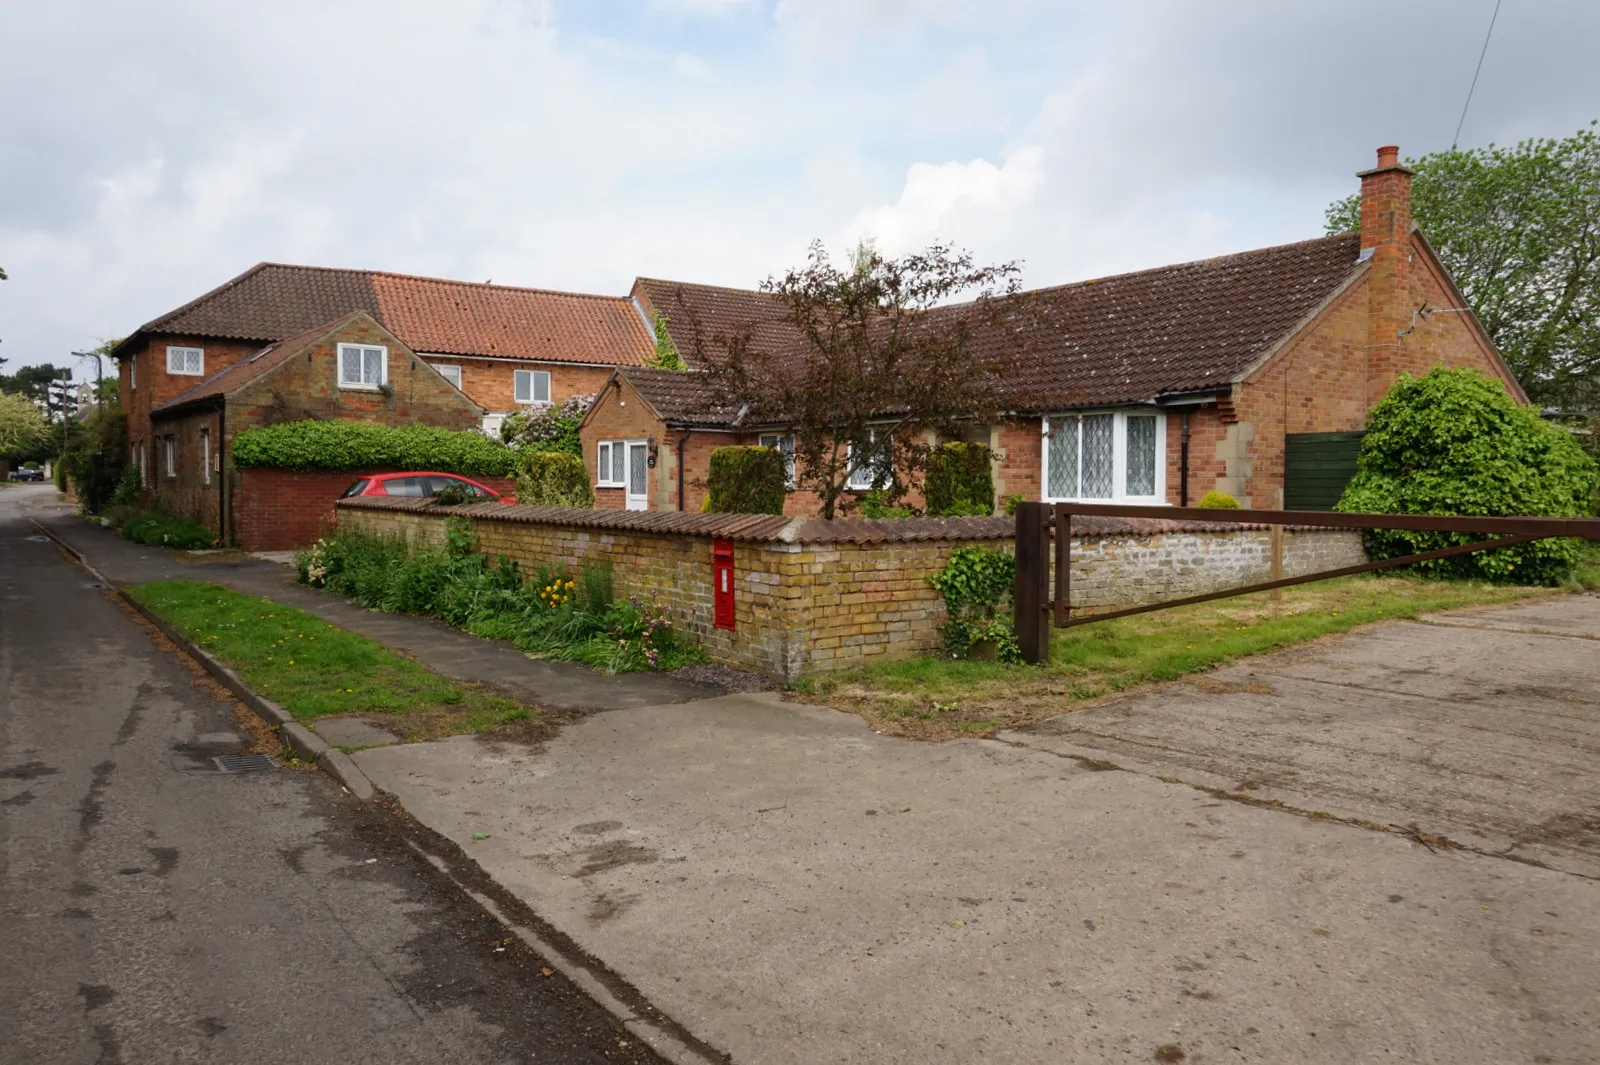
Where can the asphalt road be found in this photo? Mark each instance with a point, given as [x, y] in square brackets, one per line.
[153, 909]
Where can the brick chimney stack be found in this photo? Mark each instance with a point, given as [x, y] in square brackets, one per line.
[1386, 235]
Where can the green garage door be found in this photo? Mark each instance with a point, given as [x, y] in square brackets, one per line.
[1317, 466]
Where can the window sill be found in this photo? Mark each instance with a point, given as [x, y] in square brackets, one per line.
[360, 388]
[179, 373]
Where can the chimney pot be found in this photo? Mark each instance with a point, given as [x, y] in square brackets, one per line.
[1388, 155]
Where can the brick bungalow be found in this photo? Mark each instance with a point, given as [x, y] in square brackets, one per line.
[1149, 387]
[352, 369]
[503, 347]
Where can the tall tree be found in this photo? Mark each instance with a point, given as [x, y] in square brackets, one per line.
[34, 381]
[1519, 228]
[859, 362]
[22, 425]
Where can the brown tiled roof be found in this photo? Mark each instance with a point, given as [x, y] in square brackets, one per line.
[273, 301]
[1121, 339]
[712, 310]
[239, 373]
[777, 529]
[680, 397]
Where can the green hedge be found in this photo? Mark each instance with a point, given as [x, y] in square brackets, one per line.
[960, 481]
[1453, 442]
[554, 479]
[746, 480]
[317, 445]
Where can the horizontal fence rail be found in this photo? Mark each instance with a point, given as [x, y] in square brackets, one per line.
[1038, 606]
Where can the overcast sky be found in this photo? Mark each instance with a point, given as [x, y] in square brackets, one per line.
[150, 151]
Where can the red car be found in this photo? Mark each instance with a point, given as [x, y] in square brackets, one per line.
[418, 486]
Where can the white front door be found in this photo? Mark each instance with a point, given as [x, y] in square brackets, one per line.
[638, 476]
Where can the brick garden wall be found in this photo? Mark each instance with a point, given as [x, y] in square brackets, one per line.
[810, 596]
[279, 510]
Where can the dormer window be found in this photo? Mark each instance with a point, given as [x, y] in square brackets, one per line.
[191, 362]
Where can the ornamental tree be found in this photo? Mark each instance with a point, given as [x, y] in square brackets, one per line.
[23, 428]
[860, 362]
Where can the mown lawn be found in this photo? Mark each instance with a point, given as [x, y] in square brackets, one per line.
[938, 698]
[314, 669]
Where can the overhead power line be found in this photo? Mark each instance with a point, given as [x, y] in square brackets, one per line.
[1457, 138]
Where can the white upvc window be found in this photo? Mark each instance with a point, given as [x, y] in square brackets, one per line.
[784, 443]
[205, 456]
[874, 470]
[139, 460]
[449, 371]
[532, 386]
[611, 464]
[1105, 457]
[133, 372]
[363, 366]
[169, 455]
[191, 362]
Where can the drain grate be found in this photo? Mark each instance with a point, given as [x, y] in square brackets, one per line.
[244, 763]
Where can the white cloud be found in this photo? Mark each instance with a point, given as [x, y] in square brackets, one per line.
[934, 191]
[559, 144]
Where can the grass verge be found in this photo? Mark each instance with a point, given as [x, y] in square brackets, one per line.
[939, 698]
[314, 669]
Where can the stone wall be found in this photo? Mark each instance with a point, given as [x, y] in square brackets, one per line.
[811, 596]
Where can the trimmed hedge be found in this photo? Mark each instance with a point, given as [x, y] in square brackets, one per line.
[960, 481]
[1453, 442]
[554, 479]
[746, 480]
[318, 445]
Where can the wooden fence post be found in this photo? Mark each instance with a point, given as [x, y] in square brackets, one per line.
[1030, 622]
[1275, 536]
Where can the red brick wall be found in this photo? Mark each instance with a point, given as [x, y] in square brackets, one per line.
[194, 492]
[277, 510]
[491, 383]
[1328, 377]
[156, 385]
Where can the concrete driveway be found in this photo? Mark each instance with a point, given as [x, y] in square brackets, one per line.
[795, 888]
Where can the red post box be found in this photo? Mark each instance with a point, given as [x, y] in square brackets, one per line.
[722, 582]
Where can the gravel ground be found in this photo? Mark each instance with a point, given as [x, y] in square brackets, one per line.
[731, 681]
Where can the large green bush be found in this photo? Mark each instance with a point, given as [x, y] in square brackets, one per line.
[554, 479]
[746, 480]
[960, 481]
[97, 461]
[1453, 442]
[318, 445]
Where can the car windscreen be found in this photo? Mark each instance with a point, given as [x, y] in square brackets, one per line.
[355, 489]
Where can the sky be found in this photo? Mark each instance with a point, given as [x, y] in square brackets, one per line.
[151, 151]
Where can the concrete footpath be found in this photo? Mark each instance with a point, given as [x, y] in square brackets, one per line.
[794, 888]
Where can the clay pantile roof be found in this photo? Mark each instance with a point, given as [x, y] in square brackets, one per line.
[245, 370]
[680, 397]
[273, 301]
[775, 528]
[1122, 339]
[729, 311]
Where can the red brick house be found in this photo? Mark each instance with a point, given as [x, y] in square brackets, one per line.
[1149, 387]
[352, 369]
[503, 347]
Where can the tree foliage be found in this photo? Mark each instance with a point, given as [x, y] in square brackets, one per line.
[23, 428]
[960, 481]
[1519, 229]
[746, 480]
[859, 362]
[554, 479]
[552, 428]
[1453, 442]
[35, 381]
[97, 458]
[318, 445]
